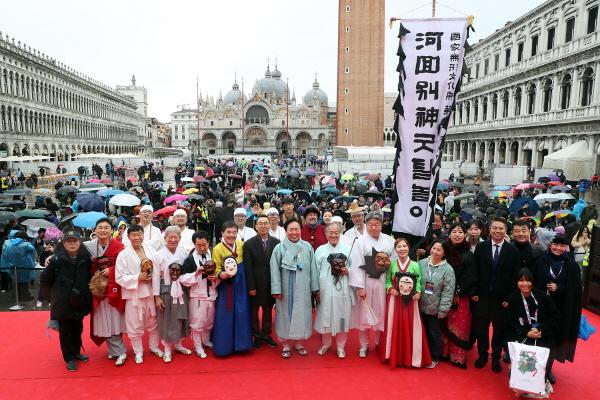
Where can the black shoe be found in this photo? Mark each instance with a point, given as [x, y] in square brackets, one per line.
[481, 361]
[496, 367]
[461, 365]
[506, 358]
[82, 357]
[257, 342]
[551, 378]
[72, 366]
[269, 340]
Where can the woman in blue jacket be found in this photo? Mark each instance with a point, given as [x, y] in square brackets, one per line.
[19, 252]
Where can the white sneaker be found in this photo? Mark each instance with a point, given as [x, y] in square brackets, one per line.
[183, 350]
[157, 352]
[139, 358]
[341, 353]
[208, 344]
[121, 360]
[111, 357]
[432, 365]
[200, 353]
[167, 357]
[362, 353]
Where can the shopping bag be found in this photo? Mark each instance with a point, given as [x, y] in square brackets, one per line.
[528, 369]
[585, 328]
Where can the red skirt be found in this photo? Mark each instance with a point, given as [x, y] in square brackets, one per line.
[403, 342]
[459, 323]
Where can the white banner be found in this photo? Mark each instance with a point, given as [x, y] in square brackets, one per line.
[430, 68]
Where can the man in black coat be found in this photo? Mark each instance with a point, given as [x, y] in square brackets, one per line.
[257, 256]
[527, 252]
[497, 264]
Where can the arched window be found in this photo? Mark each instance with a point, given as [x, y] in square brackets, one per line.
[460, 113]
[531, 99]
[565, 92]
[587, 85]
[518, 96]
[484, 107]
[505, 104]
[495, 106]
[475, 110]
[468, 111]
[547, 95]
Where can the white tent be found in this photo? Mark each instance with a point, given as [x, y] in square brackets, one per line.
[575, 160]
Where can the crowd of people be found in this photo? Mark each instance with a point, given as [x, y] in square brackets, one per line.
[316, 252]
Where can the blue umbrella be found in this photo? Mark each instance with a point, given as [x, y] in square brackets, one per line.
[90, 202]
[284, 191]
[517, 204]
[502, 187]
[88, 219]
[442, 186]
[109, 192]
[331, 189]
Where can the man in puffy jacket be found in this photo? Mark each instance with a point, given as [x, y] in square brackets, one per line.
[18, 252]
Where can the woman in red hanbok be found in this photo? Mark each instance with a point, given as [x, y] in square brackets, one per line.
[403, 342]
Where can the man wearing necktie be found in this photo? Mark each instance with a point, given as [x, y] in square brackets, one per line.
[497, 265]
[257, 255]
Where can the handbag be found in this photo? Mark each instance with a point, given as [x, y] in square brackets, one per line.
[528, 369]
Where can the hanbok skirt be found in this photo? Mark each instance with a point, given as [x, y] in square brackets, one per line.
[172, 322]
[232, 331]
[455, 342]
[403, 342]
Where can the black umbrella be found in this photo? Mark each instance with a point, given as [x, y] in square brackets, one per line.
[472, 188]
[195, 197]
[302, 194]
[91, 202]
[543, 179]
[268, 190]
[373, 193]
[67, 189]
[6, 216]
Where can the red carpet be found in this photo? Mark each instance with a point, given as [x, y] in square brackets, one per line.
[32, 368]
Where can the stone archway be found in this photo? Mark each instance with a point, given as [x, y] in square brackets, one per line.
[209, 143]
[282, 143]
[26, 151]
[303, 144]
[229, 142]
[256, 139]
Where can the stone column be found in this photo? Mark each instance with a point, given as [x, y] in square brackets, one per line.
[486, 151]
[496, 152]
[550, 145]
[575, 86]
[469, 147]
[480, 110]
[596, 89]
[511, 103]
[507, 158]
[555, 93]
[520, 153]
[534, 154]
[477, 155]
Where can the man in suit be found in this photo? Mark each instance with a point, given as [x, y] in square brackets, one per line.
[497, 264]
[257, 256]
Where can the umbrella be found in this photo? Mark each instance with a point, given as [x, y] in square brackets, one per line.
[442, 186]
[6, 216]
[187, 179]
[88, 219]
[199, 178]
[235, 176]
[284, 192]
[310, 172]
[456, 185]
[560, 189]
[537, 186]
[540, 198]
[195, 197]
[16, 192]
[557, 214]
[331, 189]
[522, 186]
[38, 223]
[32, 213]
[497, 193]
[165, 211]
[11, 203]
[347, 199]
[67, 189]
[229, 163]
[90, 202]
[543, 179]
[189, 185]
[373, 193]
[174, 198]
[42, 192]
[564, 196]
[92, 187]
[267, 190]
[347, 177]
[125, 200]
[109, 192]
[132, 179]
[555, 183]
[501, 187]
[191, 191]
[463, 196]
[472, 188]
[327, 180]
[302, 194]
[467, 214]
[517, 204]
[293, 173]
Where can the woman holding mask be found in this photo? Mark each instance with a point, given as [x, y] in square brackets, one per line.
[108, 310]
[456, 333]
[403, 342]
[558, 273]
[65, 283]
[437, 283]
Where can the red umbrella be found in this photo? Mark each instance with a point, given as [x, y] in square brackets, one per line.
[165, 211]
[199, 178]
[555, 183]
[132, 179]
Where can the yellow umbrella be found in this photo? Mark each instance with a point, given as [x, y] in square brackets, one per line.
[191, 191]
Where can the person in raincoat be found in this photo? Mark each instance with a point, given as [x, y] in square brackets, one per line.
[18, 252]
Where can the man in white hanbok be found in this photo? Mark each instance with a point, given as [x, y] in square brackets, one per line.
[335, 305]
[136, 290]
[357, 215]
[369, 310]
[244, 232]
[180, 219]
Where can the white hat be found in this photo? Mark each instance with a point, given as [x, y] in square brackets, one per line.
[146, 207]
[240, 211]
[272, 210]
[179, 211]
[32, 231]
[354, 208]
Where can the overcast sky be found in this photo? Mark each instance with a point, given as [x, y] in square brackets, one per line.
[168, 44]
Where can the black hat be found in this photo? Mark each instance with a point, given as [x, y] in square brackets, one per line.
[311, 210]
[287, 200]
[71, 234]
[559, 239]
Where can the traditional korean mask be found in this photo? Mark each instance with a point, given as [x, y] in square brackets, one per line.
[406, 286]
[337, 261]
[147, 266]
[209, 267]
[382, 261]
[174, 271]
[230, 266]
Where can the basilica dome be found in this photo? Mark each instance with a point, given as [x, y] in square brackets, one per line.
[234, 95]
[315, 94]
[271, 84]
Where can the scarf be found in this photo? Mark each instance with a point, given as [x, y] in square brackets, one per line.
[176, 292]
[454, 252]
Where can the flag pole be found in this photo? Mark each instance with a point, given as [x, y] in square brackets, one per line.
[243, 142]
[433, 9]
[197, 116]
[287, 111]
